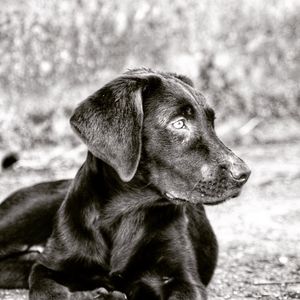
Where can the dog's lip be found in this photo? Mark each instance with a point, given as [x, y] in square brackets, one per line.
[174, 199]
[215, 202]
[234, 194]
[177, 200]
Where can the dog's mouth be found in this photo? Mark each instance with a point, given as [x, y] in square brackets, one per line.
[216, 192]
[175, 200]
[200, 197]
[224, 198]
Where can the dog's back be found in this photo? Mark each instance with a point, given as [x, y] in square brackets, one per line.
[26, 216]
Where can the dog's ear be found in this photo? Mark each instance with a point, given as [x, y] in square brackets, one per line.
[110, 122]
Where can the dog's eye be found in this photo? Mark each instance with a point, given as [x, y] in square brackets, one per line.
[179, 124]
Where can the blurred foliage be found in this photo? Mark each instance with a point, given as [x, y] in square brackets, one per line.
[244, 55]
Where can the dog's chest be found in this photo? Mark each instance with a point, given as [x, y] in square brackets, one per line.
[150, 234]
[126, 239]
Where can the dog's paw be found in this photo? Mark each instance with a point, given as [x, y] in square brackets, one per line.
[103, 294]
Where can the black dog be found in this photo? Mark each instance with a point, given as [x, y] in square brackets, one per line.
[132, 222]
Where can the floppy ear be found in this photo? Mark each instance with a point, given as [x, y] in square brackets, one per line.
[110, 122]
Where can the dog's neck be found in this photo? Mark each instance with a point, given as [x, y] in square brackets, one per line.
[100, 200]
[110, 182]
[101, 183]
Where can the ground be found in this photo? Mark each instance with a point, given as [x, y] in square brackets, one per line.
[258, 232]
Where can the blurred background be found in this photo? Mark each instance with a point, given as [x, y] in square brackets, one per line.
[243, 55]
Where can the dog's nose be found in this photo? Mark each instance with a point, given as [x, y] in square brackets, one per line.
[239, 172]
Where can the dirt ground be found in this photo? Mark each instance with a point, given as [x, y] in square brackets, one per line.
[258, 232]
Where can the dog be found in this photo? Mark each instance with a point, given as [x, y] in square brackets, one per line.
[132, 223]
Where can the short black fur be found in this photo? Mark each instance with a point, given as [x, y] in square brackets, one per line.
[132, 221]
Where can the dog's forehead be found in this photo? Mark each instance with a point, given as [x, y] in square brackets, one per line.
[176, 98]
[178, 91]
[185, 93]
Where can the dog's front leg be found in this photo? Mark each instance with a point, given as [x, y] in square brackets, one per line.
[185, 291]
[42, 286]
[98, 294]
[191, 294]
[163, 288]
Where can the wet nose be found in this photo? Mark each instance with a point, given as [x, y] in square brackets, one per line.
[239, 172]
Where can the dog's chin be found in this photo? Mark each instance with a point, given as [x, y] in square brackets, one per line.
[176, 200]
[223, 198]
[181, 200]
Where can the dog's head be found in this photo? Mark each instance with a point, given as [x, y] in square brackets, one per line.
[157, 125]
